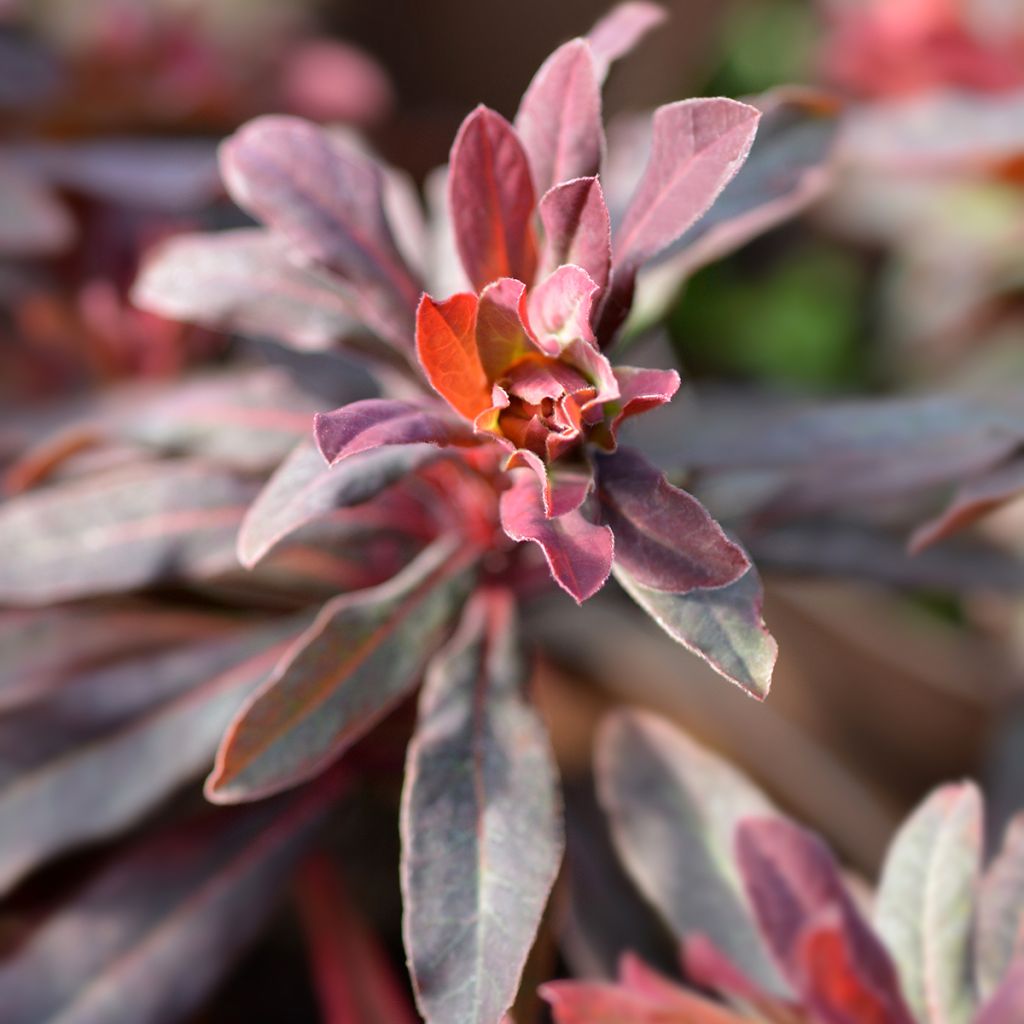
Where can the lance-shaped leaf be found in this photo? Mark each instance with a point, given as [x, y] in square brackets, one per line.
[176, 910]
[723, 626]
[447, 348]
[304, 489]
[107, 747]
[673, 809]
[577, 229]
[697, 147]
[130, 528]
[925, 903]
[322, 195]
[243, 281]
[481, 823]
[491, 198]
[999, 936]
[354, 980]
[374, 422]
[974, 499]
[361, 656]
[664, 538]
[559, 118]
[795, 887]
[621, 29]
[578, 552]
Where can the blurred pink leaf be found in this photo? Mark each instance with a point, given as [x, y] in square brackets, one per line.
[361, 656]
[1007, 1004]
[999, 936]
[621, 29]
[481, 822]
[559, 118]
[491, 200]
[33, 221]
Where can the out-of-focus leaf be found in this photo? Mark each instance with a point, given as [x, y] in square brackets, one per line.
[127, 529]
[577, 229]
[664, 538]
[999, 936]
[578, 552]
[105, 748]
[147, 939]
[621, 29]
[795, 888]
[157, 174]
[723, 626]
[559, 118]
[924, 907]
[378, 422]
[1007, 1004]
[40, 648]
[673, 809]
[355, 982]
[304, 489]
[325, 199]
[361, 656]
[33, 221]
[973, 499]
[491, 200]
[481, 823]
[242, 280]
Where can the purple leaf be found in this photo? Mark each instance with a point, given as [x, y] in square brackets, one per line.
[925, 901]
[999, 935]
[139, 730]
[242, 280]
[794, 884]
[125, 529]
[559, 119]
[362, 426]
[491, 199]
[326, 200]
[664, 538]
[481, 822]
[621, 29]
[177, 909]
[578, 552]
[696, 149]
[723, 626]
[304, 489]
[361, 656]
[1007, 1004]
[673, 808]
[577, 230]
[975, 498]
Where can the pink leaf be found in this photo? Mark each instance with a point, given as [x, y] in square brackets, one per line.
[696, 149]
[641, 390]
[621, 29]
[564, 487]
[1007, 1005]
[559, 310]
[664, 538]
[578, 552]
[323, 196]
[577, 229]
[559, 119]
[360, 426]
[491, 197]
[447, 349]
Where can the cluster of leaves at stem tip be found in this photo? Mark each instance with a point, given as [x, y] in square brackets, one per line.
[766, 920]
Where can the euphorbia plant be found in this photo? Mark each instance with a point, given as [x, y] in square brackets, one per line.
[766, 919]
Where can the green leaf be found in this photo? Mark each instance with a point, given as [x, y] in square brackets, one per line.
[481, 823]
[673, 809]
[361, 656]
[926, 899]
[723, 626]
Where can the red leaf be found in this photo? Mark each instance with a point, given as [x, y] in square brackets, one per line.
[491, 198]
[578, 553]
[446, 343]
[577, 229]
[559, 119]
[664, 538]
[362, 426]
